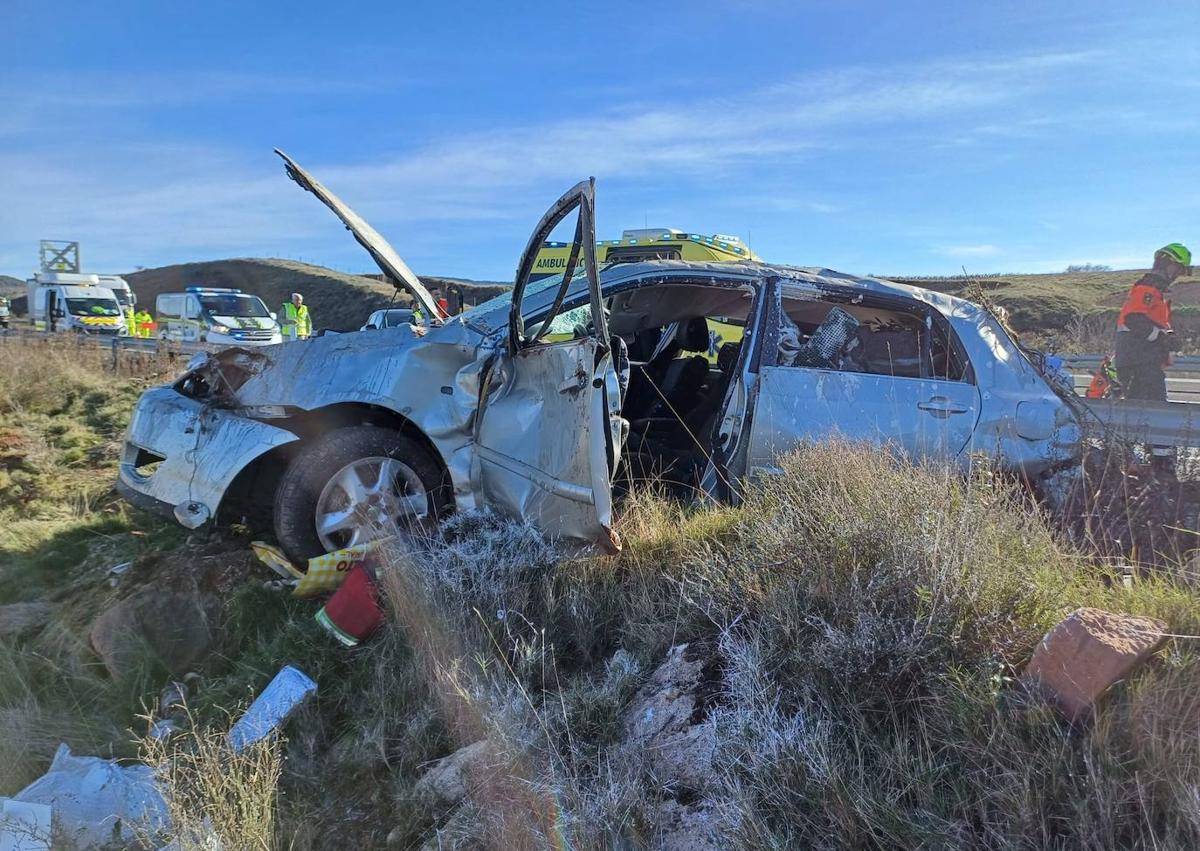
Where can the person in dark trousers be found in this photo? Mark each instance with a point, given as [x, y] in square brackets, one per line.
[1145, 338]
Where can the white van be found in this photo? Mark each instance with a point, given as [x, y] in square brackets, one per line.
[224, 317]
[66, 301]
[120, 287]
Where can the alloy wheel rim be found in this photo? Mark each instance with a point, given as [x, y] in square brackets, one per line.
[368, 499]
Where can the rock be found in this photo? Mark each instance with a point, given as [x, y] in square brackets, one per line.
[17, 619]
[1086, 653]
[449, 779]
[669, 700]
[171, 627]
[684, 760]
[688, 828]
[663, 725]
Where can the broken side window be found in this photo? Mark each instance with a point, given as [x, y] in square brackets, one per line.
[860, 337]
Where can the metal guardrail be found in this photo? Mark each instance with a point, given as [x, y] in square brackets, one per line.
[1089, 363]
[1158, 423]
[115, 344]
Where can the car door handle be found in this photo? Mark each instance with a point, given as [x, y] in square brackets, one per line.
[943, 406]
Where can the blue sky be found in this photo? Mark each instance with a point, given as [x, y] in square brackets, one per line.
[881, 137]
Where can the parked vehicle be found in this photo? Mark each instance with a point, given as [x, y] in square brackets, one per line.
[225, 317]
[388, 317]
[70, 301]
[120, 287]
[347, 436]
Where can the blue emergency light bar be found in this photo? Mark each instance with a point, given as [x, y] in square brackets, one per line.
[212, 290]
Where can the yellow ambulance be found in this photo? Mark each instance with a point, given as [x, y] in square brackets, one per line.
[641, 244]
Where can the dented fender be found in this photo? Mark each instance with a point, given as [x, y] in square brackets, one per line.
[202, 447]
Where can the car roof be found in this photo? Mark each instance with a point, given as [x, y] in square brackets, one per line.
[813, 275]
[731, 271]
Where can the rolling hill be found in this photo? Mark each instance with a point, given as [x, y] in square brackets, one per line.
[10, 288]
[338, 301]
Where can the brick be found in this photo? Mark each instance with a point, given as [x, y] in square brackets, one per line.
[1089, 651]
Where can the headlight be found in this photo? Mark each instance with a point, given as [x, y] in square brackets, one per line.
[220, 329]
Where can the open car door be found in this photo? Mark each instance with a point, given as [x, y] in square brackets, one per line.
[548, 433]
[389, 262]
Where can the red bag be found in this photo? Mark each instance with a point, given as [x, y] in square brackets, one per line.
[354, 612]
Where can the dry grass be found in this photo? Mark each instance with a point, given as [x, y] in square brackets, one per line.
[217, 798]
[868, 619]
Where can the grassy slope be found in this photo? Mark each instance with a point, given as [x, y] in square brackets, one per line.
[1075, 311]
[11, 288]
[337, 300]
[62, 415]
[867, 618]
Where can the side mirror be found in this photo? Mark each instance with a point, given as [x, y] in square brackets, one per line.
[274, 317]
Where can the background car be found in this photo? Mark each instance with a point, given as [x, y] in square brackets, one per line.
[388, 317]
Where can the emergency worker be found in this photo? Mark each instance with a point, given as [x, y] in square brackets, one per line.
[295, 320]
[1145, 339]
[130, 322]
[142, 322]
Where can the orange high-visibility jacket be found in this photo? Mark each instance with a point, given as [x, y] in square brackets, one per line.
[1147, 300]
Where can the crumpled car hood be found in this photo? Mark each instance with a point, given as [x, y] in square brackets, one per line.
[366, 367]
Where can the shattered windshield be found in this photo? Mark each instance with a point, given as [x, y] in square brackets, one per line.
[538, 294]
[92, 307]
[234, 305]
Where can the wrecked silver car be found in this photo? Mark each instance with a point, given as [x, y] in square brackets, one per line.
[539, 402]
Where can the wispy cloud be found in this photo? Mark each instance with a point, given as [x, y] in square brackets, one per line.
[143, 200]
[985, 250]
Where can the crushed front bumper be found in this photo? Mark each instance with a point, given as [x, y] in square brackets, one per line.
[181, 455]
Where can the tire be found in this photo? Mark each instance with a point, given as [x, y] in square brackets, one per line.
[315, 483]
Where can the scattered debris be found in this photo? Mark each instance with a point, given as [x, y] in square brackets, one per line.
[24, 827]
[164, 728]
[272, 708]
[117, 571]
[1088, 652]
[353, 613]
[325, 572]
[274, 558]
[174, 627]
[17, 619]
[96, 802]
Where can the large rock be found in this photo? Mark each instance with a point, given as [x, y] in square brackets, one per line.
[449, 780]
[669, 701]
[664, 729]
[17, 619]
[1087, 653]
[171, 628]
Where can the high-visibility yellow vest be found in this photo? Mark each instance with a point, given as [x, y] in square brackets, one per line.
[296, 322]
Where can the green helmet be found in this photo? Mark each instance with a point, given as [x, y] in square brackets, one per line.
[1177, 252]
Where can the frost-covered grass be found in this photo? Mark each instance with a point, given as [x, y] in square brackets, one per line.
[868, 619]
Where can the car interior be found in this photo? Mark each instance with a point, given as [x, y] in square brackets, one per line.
[684, 342]
[865, 338]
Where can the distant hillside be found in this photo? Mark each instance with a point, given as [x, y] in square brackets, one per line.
[11, 287]
[337, 300]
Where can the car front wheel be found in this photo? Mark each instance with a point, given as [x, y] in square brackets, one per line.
[354, 485]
